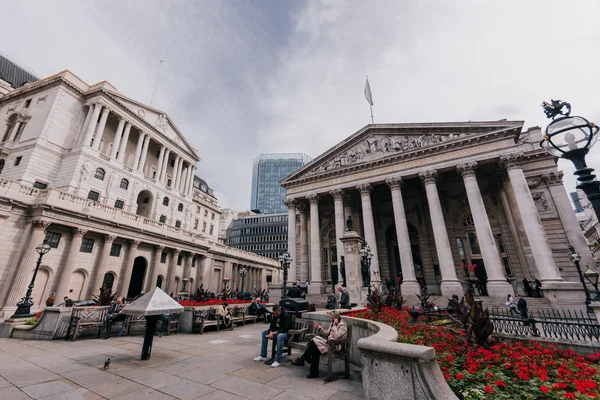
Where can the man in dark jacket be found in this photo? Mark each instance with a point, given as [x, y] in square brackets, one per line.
[278, 332]
[344, 298]
[294, 291]
[330, 300]
[522, 306]
[114, 314]
[258, 309]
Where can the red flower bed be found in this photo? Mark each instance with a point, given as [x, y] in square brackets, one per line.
[214, 302]
[507, 370]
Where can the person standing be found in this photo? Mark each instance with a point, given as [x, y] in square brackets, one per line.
[51, 299]
[278, 332]
[522, 306]
[344, 297]
[307, 285]
[294, 291]
[510, 303]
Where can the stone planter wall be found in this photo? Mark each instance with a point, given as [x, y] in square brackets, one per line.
[53, 324]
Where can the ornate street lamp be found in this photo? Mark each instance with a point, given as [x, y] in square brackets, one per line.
[243, 273]
[285, 259]
[572, 138]
[575, 260]
[24, 306]
[184, 281]
[592, 276]
[365, 262]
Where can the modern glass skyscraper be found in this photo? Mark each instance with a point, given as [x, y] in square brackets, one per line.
[267, 194]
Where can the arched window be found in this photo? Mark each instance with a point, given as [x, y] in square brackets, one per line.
[10, 123]
[159, 281]
[99, 174]
[1, 165]
[108, 281]
[166, 201]
[124, 184]
[180, 207]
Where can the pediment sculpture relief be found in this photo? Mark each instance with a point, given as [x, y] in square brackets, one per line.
[375, 147]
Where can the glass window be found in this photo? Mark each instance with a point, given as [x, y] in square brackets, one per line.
[124, 184]
[162, 219]
[2, 162]
[204, 227]
[206, 213]
[108, 280]
[166, 201]
[179, 259]
[196, 223]
[40, 185]
[163, 257]
[115, 250]
[211, 230]
[99, 174]
[119, 204]
[87, 245]
[18, 161]
[212, 216]
[180, 207]
[474, 244]
[177, 224]
[27, 103]
[93, 195]
[53, 238]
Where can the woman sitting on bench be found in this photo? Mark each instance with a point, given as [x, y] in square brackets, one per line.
[319, 345]
[225, 316]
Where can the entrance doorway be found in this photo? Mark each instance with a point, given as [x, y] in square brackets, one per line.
[159, 281]
[76, 285]
[137, 277]
[395, 265]
[108, 281]
[144, 203]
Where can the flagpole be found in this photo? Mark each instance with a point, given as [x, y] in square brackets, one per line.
[372, 120]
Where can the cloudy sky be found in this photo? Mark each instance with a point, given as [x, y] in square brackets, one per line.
[245, 77]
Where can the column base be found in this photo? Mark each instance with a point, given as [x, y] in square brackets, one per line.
[315, 288]
[410, 288]
[449, 288]
[499, 289]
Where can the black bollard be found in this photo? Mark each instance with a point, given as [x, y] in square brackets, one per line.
[151, 321]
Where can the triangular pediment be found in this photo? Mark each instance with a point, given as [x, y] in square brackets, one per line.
[155, 118]
[375, 143]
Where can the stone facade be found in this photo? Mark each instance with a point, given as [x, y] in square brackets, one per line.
[433, 199]
[110, 183]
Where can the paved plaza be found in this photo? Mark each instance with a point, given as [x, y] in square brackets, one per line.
[216, 365]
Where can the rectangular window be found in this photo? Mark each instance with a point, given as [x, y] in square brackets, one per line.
[163, 219]
[115, 250]
[18, 160]
[196, 222]
[206, 213]
[87, 245]
[177, 224]
[119, 204]
[163, 257]
[211, 229]
[40, 185]
[197, 210]
[53, 238]
[27, 103]
[204, 227]
[179, 259]
[93, 195]
[212, 216]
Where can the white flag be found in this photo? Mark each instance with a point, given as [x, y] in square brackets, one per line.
[368, 94]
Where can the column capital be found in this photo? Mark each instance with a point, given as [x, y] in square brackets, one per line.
[313, 198]
[395, 182]
[79, 232]
[290, 203]
[553, 178]
[110, 238]
[40, 224]
[429, 177]
[364, 189]
[301, 207]
[467, 169]
[511, 161]
[135, 244]
[338, 194]
[160, 248]
[176, 251]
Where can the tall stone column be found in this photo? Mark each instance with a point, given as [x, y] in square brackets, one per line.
[291, 247]
[200, 272]
[315, 245]
[534, 229]
[117, 141]
[175, 172]
[497, 284]
[303, 242]
[563, 207]
[138, 151]
[187, 266]
[89, 133]
[144, 154]
[63, 279]
[24, 268]
[101, 126]
[369, 226]
[159, 165]
[191, 184]
[338, 204]
[450, 284]
[127, 269]
[153, 270]
[186, 181]
[409, 280]
[124, 141]
[165, 166]
[88, 118]
[171, 272]
[97, 275]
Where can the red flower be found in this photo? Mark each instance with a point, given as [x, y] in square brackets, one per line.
[450, 357]
[499, 383]
[489, 389]
[544, 389]
[460, 376]
[569, 395]
[507, 366]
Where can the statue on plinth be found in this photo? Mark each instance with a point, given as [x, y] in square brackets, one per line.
[343, 270]
[349, 224]
[365, 269]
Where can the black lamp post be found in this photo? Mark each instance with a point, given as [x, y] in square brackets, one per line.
[285, 259]
[243, 273]
[575, 260]
[592, 276]
[571, 138]
[365, 260]
[24, 306]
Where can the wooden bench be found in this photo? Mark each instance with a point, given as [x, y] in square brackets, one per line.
[238, 314]
[86, 317]
[253, 317]
[204, 318]
[173, 324]
[133, 321]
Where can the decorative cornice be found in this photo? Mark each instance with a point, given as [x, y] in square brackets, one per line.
[110, 238]
[290, 203]
[338, 194]
[40, 224]
[467, 169]
[364, 189]
[79, 232]
[135, 244]
[553, 178]
[313, 198]
[395, 183]
[511, 161]
[429, 177]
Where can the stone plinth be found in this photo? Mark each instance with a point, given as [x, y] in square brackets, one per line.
[352, 242]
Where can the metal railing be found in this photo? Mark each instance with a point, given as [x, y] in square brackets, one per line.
[557, 324]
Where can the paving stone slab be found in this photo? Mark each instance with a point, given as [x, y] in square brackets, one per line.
[220, 395]
[77, 394]
[13, 393]
[247, 389]
[116, 388]
[187, 390]
[49, 388]
[144, 394]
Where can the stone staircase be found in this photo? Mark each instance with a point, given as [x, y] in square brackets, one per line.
[491, 303]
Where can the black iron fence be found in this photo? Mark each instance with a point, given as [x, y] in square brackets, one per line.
[558, 324]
